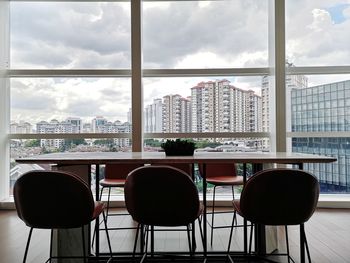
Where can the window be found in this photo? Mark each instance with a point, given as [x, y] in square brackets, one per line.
[68, 68]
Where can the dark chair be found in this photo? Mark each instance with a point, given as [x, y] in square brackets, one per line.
[279, 197]
[162, 196]
[56, 200]
[224, 174]
[115, 176]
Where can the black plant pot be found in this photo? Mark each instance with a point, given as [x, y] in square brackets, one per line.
[179, 152]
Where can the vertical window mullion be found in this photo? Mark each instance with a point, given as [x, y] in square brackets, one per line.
[277, 60]
[4, 99]
[136, 75]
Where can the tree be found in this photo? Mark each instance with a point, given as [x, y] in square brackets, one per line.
[32, 143]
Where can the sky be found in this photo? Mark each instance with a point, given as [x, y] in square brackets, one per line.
[197, 34]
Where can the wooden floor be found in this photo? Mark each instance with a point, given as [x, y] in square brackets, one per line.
[328, 233]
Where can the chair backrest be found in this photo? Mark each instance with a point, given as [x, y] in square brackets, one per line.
[120, 170]
[186, 167]
[218, 169]
[53, 199]
[161, 196]
[280, 197]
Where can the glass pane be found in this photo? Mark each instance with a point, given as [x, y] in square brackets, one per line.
[216, 145]
[328, 113]
[205, 34]
[70, 105]
[316, 32]
[230, 104]
[70, 35]
[32, 147]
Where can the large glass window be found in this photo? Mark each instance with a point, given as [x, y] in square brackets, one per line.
[205, 34]
[70, 35]
[205, 70]
[70, 105]
[316, 32]
[202, 104]
[319, 108]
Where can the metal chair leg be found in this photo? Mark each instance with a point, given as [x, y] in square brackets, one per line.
[251, 237]
[230, 238]
[93, 236]
[189, 240]
[287, 242]
[136, 237]
[307, 247]
[27, 246]
[83, 242]
[51, 237]
[107, 234]
[212, 219]
[108, 200]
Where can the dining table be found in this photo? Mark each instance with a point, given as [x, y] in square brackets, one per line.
[81, 163]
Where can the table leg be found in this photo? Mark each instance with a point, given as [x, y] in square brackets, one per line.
[245, 231]
[68, 241]
[97, 221]
[204, 177]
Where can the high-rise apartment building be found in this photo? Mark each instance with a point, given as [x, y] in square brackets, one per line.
[218, 106]
[21, 127]
[176, 111]
[77, 124]
[324, 109]
[154, 116]
[292, 82]
[54, 126]
[97, 124]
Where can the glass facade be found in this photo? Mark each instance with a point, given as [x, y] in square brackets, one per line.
[324, 108]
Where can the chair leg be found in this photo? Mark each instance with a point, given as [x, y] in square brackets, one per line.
[107, 234]
[212, 219]
[200, 229]
[83, 242]
[108, 200]
[230, 238]
[136, 237]
[93, 236]
[144, 257]
[189, 239]
[233, 198]
[51, 237]
[251, 237]
[307, 247]
[27, 245]
[287, 242]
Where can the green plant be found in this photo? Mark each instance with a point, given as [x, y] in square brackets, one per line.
[178, 147]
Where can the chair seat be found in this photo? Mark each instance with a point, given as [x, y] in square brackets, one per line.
[99, 207]
[112, 182]
[225, 180]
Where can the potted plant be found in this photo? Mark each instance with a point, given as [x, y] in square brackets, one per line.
[178, 147]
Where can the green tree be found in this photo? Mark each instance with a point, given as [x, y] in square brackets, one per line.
[32, 143]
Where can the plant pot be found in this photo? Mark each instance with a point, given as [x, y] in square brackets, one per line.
[179, 152]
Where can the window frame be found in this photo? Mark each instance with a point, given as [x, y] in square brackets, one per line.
[276, 70]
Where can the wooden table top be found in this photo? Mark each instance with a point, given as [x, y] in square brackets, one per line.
[159, 157]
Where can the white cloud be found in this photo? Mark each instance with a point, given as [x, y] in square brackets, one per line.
[321, 20]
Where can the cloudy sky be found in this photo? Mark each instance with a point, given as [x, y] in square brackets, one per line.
[197, 34]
